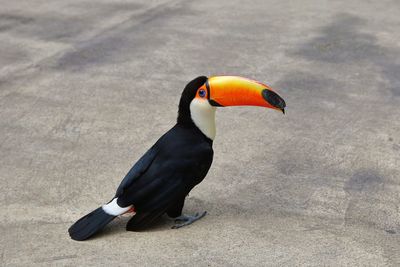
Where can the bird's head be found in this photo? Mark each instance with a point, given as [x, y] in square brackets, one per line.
[202, 95]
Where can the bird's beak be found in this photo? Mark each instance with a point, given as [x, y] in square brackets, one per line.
[238, 91]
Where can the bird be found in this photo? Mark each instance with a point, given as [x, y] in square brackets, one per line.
[161, 179]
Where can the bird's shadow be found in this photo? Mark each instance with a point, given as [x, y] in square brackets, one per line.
[119, 225]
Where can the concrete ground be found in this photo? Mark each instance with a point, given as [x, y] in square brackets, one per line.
[86, 87]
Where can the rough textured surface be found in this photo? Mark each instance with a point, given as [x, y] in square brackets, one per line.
[86, 88]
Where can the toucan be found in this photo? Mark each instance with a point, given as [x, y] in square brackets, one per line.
[162, 178]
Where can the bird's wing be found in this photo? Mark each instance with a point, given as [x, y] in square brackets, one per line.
[153, 195]
[157, 203]
[137, 170]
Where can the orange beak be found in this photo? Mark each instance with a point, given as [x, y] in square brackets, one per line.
[238, 91]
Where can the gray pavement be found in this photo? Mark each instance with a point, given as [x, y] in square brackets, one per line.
[86, 87]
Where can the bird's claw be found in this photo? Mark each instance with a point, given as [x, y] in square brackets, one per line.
[184, 220]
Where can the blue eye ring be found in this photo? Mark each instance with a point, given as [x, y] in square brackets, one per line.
[202, 93]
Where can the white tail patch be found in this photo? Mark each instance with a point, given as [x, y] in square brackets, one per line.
[114, 209]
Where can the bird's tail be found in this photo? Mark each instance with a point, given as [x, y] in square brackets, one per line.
[90, 224]
[93, 222]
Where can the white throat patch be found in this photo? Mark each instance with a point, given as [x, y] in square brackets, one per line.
[203, 116]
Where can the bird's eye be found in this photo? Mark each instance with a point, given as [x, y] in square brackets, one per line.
[202, 93]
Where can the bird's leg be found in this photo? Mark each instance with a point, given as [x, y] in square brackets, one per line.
[184, 220]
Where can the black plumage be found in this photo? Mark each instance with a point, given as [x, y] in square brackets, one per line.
[90, 224]
[161, 179]
[178, 161]
[159, 182]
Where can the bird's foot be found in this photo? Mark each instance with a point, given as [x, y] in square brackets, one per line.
[184, 220]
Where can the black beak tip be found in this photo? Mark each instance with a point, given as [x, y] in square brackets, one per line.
[274, 99]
